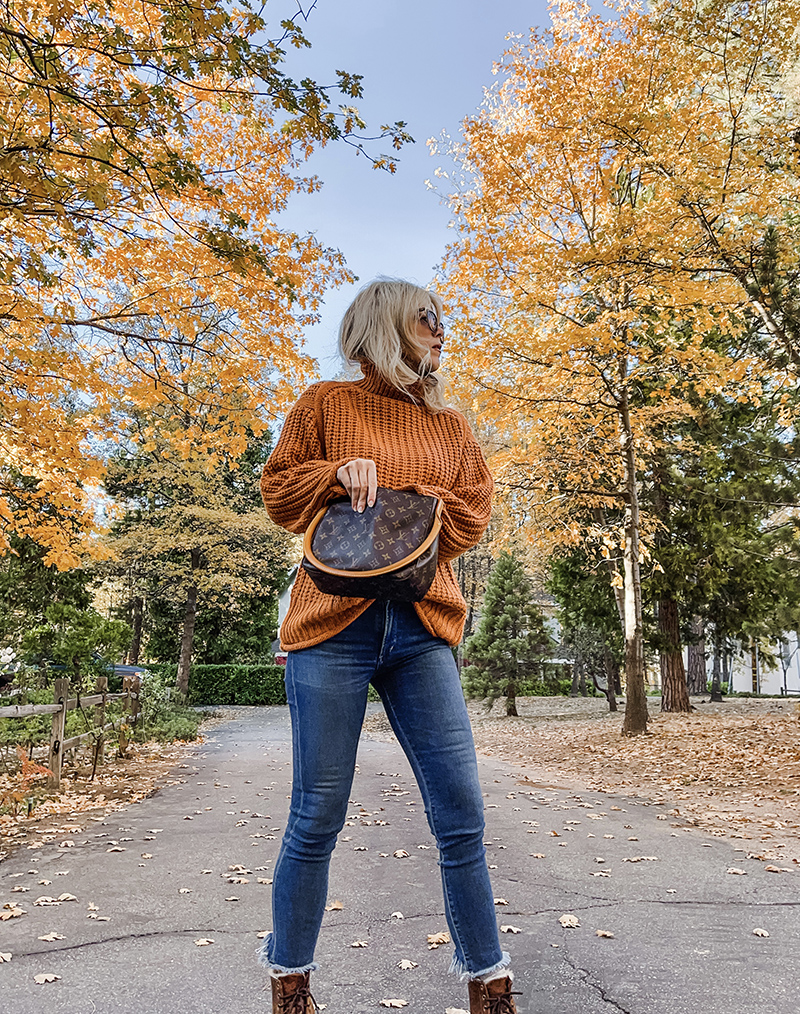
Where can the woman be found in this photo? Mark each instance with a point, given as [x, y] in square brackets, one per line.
[392, 429]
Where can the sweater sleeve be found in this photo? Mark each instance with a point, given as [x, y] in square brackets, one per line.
[467, 507]
[296, 481]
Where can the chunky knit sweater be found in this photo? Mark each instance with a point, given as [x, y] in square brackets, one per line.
[413, 449]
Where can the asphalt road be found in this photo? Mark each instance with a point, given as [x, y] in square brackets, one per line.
[156, 878]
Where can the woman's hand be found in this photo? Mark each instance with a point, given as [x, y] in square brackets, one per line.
[360, 478]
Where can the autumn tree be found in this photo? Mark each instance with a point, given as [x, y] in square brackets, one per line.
[511, 641]
[237, 626]
[146, 152]
[591, 193]
[194, 532]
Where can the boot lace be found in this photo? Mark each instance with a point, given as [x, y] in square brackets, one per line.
[502, 1003]
[297, 1002]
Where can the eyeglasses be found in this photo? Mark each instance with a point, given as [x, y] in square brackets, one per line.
[429, 317]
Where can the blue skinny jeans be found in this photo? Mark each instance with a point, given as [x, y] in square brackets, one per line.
[417, 679]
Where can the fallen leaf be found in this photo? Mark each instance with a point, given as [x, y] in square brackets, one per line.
[394, 1003]
[758, 932]
[641, 859]
[335, 906]
[116, 848]
[569, 921]
[360, 943]
[6, 956]
[437, 939]
[51, 937]
[400, 854]
[147, 855]
[455, 1010]
[510, 929]
[21, 889]
[604, 933]
[264, 880]
[203, 942]
[405, 964]
[45, 899]
[397, 915]
[538, 855]
[736, 870]
[45, 977]
[184, 890]
[67, 897]
[777, 869]
[500, 901]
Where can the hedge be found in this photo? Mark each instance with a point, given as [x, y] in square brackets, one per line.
[237, 684]
[232, 684]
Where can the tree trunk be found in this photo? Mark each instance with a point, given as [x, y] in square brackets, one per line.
[698, 681]
[187, 636]
[577, 669]
[187, 639]
[716, 683]
[727, 666]
[636, 699]
[674, 691]
[612, 679]
[138, 621]
[511, 701]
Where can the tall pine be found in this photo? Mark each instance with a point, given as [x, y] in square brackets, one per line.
[511, 642]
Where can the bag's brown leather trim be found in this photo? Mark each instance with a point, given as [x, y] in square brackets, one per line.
[435, 529]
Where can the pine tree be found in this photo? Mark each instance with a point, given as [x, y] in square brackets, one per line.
[511, 641]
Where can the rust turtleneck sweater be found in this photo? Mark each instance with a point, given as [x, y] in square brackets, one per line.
[413, 449]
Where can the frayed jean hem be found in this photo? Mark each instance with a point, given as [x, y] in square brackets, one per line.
[457, 967]
[274, 970]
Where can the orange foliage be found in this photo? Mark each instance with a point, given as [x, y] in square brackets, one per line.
[146, 150]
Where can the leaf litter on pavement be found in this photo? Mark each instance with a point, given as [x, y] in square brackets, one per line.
[733, 767]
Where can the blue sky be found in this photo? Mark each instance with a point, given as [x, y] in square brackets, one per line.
[424, 62]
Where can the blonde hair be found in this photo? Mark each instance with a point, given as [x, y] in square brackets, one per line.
[379, 327]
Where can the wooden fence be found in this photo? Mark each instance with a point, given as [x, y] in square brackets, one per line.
[62, 703]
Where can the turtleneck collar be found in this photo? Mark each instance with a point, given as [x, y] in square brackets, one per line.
[375, 383]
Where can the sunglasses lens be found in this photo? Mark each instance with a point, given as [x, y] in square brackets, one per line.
[430, 318]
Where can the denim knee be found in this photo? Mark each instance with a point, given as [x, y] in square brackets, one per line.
[314, 826]
[461, 848]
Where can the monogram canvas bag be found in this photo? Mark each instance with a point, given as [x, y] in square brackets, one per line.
[389, 551]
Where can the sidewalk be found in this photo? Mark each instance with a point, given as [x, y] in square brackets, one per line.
[682, 925]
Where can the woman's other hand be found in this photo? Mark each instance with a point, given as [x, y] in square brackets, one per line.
[360, 478]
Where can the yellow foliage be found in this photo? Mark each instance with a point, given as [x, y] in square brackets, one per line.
[141, 172]
[612, 200]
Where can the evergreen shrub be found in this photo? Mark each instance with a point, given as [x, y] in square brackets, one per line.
[237, 684]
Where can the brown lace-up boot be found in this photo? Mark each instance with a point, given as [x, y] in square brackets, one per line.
[493, 997]
[291, 994]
